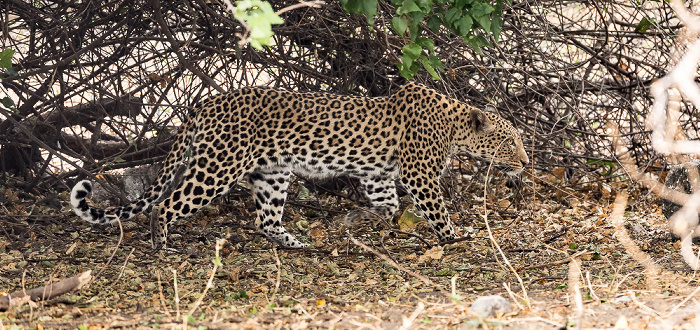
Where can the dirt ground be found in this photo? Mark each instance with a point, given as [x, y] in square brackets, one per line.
[338, 283]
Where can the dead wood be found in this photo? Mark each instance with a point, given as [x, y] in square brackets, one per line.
[45, 292]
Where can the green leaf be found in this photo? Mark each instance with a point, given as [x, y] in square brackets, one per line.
[443, 272]
[399, 24]
[414, 25]
[427, 44]
[413, 50]
[425, 5]
[452, 15]
[481, 9]
[476, 42]
[496, 25]
[408, 68]
[406, 62]
[8, 103]
[6, 58]
[464, 25]
[429, 67]
[408, 7]
[260, 17]
[364, 7]
[484, 22]
[191, 319]
[462, 3]
[434, 23]
[643, 25]
[435, 62]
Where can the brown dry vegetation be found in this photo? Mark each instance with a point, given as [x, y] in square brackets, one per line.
[337, 283]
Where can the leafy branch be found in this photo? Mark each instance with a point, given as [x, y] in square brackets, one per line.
[473, 20]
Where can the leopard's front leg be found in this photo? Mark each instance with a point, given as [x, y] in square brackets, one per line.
[426, 195]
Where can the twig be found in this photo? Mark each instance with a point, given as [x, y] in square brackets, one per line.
[673, 310]
[312, 4]
[279, 273]
[554, 263]
[177, 296]
[650, 268]
[575, 289]
[45, 292]
[407, 322]
[590, 286]
[158, 17]
[427, 244]
[534, 319]
[217, 263]
[119, 242]
[124, 265]
[495, 243]
[162, 298]
[397, 266]
[512, 296]
[381, 242]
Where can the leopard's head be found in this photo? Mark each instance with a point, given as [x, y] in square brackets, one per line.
[486, 135]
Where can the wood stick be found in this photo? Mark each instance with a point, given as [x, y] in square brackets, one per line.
[45, 292]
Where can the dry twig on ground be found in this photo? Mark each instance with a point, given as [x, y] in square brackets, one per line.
[46, 292]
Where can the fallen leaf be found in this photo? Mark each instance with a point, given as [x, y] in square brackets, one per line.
[435, 253]
[409, 219]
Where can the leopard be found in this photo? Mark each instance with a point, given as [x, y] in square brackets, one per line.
[266, 135]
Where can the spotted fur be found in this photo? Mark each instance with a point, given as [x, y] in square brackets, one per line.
[267, 134]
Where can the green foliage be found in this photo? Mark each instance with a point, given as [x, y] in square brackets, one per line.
[259, 16]
[644, 25]
[473, 20]
[607, 166]
[365, 7]
[6, 58]
[8, 103]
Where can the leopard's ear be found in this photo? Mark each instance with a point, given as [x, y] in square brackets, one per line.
[479, 122]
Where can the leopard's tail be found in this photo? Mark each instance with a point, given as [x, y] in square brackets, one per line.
[168, 174]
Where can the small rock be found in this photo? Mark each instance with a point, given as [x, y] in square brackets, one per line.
[489, 306]
[623, 299]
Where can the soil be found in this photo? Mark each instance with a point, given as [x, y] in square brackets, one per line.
[337, 283]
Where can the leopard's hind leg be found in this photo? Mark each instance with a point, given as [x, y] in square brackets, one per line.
[270, 192]
[205, 180]
[383, 198]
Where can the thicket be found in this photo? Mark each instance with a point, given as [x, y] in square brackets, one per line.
[94, 86]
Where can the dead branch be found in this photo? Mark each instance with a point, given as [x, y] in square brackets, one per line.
[46, 292]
